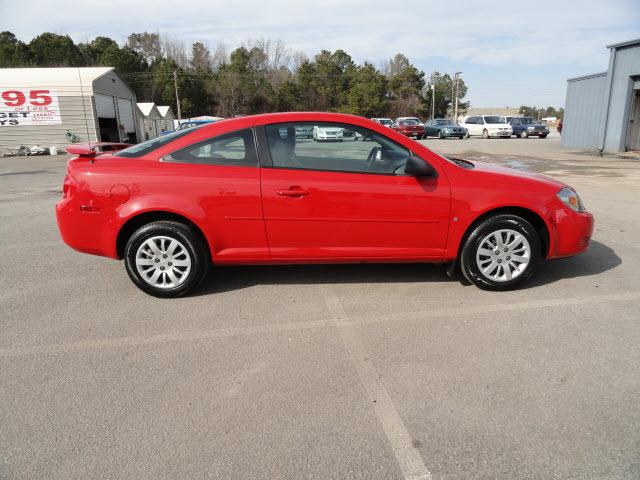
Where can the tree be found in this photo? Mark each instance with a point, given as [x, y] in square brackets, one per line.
[367, 93]
[51, 50]
[13, 52]
[200, 57]
[405, 85]
[444, 87]
[146, 44]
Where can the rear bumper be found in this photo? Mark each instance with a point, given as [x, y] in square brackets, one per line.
[86, 231]
[572, 233]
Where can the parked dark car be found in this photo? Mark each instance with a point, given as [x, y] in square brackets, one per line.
[524, 127]
[410, 127]
[443, 128]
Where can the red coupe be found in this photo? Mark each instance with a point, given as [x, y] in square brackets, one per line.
[249, 191]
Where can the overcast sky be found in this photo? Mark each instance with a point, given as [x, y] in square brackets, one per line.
[509, 55]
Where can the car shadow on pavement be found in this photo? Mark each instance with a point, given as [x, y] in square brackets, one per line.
[225, 279]
[597, 259]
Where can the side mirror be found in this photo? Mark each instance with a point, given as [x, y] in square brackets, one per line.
[416, 167]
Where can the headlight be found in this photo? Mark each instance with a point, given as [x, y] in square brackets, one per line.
[571, 199]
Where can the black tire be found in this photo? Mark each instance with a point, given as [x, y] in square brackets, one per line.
[485, 134]
[469, 266]
[195, 248]
[543, 136]
[467, 134]
[440, 135]
[461, 137]
[524, 134]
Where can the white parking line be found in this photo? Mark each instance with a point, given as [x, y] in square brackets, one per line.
[363, 319]
[409, 459]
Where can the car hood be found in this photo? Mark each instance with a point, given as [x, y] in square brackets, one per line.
[515, 174]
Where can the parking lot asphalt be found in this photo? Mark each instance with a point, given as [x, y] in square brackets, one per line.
[327, 372]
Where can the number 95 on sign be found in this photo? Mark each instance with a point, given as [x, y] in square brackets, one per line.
[28, 107]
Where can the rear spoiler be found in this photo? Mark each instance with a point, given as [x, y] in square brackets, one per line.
[94, 149]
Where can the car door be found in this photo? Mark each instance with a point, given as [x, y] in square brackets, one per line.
[428, 128]
[472, 126]
[220, 176]
[332, 201]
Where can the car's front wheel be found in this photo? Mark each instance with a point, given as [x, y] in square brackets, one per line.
[500, 252]
[485, 134]
[166, 258]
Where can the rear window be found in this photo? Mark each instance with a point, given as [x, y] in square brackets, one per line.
[143, 148]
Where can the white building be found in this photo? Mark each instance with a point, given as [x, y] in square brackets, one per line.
[167, 117]
[149, 120]
[58, 106]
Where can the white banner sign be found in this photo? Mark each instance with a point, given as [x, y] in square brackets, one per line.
[20, 106]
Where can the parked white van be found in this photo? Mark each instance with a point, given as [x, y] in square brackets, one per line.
[487, 126]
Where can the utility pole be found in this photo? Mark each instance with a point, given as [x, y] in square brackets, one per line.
[175, 83]
[455, 115]
[433, 96]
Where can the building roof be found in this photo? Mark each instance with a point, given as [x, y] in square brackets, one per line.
[628, 43]
[147, 109]
[164, 110]
[586, 77]
[58, 78]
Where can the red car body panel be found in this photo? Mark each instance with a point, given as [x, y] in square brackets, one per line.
[343, 217]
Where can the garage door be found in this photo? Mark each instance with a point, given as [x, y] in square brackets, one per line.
[105, 108]
[125, 110]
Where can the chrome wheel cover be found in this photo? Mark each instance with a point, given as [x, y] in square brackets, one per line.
[163, 262]
[503, 255]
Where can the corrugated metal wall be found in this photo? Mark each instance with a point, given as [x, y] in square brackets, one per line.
[584, 107]
[626, 66]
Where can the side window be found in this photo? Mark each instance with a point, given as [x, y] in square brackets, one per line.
[334, 147]
[515, 121]
[473, 120]
[236, 148]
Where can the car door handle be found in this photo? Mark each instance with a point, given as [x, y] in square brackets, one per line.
[293, 192]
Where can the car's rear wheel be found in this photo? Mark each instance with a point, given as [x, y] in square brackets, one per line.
[485, 134]
[501, 252]
[166, 259]
[524, 134]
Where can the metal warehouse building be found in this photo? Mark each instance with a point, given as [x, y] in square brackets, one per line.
[57, 106]
[602, 111]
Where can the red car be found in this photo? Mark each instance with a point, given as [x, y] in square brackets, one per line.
[247, 191]
[410, 127]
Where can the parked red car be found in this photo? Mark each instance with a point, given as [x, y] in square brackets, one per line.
[410, 127]
[247, 191]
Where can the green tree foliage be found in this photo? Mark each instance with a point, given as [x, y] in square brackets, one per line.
[367, 95]
[542, 112]
[51, 50]
[13, 52]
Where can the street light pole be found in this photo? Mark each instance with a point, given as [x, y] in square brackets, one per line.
[433, 101]
[175, 83]
[455, 115]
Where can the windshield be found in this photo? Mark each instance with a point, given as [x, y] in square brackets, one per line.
[445, 121]
[150, 145]
[494, 119]
[408, 122]
[386, 121]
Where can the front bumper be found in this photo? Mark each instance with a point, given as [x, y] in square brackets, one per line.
[572, 233]
[454, 134]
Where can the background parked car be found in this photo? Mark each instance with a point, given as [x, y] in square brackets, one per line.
[487, 126]
[304, 131]
[321, 134]
[443, 128]
[524, 127]
[387, 122]
[410, 127]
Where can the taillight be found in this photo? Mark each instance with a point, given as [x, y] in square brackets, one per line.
[69, 186]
